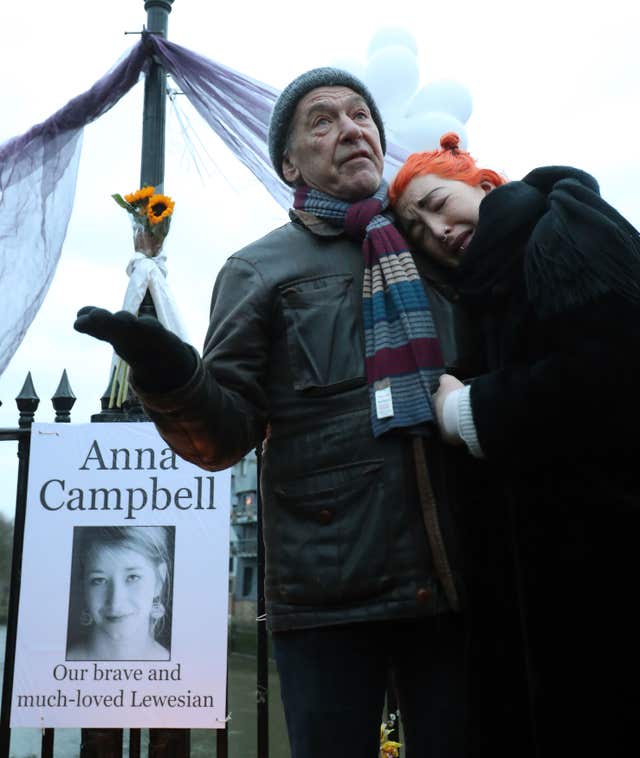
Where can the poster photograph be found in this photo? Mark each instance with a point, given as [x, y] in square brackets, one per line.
[124, 594]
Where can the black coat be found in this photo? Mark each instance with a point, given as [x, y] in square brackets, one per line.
[556, 561]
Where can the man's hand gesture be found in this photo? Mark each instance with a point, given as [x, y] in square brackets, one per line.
[159, 360]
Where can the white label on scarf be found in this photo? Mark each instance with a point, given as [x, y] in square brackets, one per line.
[384, 401]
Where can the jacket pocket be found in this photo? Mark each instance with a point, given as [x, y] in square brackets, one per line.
[332, 542]
[323, 335]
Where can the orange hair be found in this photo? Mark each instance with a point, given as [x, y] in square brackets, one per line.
[449, 162]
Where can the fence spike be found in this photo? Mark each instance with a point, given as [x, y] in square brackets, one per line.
[63, 399]
[27, 402]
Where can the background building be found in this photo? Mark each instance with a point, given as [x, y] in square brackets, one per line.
[243, 560]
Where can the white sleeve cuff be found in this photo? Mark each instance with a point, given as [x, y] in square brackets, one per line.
[466, 428]
[450, 417]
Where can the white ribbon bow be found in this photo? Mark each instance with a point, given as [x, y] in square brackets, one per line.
[150, 273]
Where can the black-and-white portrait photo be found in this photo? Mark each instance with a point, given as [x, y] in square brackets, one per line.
[120, 599]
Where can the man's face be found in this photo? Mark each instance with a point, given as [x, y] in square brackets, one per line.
[334, 145]
[439, 216]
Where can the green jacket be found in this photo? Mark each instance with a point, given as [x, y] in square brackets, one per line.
[283, 368]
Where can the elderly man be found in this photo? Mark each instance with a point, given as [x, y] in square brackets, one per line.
[322, 333]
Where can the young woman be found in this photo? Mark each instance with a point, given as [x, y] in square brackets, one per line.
[123, 574]
[551, 274]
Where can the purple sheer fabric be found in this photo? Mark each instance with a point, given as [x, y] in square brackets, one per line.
[235, 106]
[38, 172]
[38, 169]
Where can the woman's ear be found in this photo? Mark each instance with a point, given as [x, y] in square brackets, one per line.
[487, 186]
[162, 576]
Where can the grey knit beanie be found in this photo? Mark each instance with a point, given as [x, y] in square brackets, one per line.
[285, 106]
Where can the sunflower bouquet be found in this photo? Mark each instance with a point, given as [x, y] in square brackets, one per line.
[150, 214]
[150, 217]
[389, 748]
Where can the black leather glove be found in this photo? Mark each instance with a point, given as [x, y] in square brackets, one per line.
[159, 360]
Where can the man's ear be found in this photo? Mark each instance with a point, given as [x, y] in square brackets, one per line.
[289, 170]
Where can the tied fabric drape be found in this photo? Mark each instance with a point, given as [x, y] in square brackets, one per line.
[38, 170]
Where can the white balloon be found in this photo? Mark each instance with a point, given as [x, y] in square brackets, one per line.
[392, 35]
[444, 96]
[393, 116]
[392, 75]
[351, 65]
[423, 131]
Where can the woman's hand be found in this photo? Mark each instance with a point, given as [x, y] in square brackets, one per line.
[447, 423]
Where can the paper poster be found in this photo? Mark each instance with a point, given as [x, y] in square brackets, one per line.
[124, 594]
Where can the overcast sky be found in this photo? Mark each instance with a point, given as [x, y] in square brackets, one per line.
[551, 82]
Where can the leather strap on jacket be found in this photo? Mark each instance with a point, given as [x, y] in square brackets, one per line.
[432, 525]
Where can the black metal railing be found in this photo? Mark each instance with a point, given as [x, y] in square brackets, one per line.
[103, 743]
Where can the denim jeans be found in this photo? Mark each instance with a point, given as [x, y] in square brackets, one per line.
[333, 682]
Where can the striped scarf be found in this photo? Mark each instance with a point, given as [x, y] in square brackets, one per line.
[402, 350]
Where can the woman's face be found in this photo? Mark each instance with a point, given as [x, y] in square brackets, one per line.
[120, 584]
[439, 216]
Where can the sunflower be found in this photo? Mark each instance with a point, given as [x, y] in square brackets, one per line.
[159, 207]
[140, 195]
[390, 749]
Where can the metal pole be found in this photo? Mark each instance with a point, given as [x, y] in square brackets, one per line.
[263, 639]
[27, 402]
[63, 401]
[151, 171]
[107, 743]
[154, 110]
[151, 175]
[162, 742]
